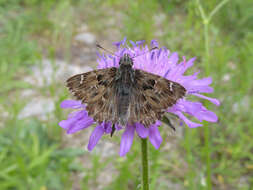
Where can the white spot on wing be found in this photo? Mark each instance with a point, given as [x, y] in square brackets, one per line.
[81, 81]
[171, 86]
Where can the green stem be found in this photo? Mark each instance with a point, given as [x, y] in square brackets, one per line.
[206, 129]
[206, 37]
[144, 152]
[217, 8]
[190, 159]
[206, 19]
[208, 159]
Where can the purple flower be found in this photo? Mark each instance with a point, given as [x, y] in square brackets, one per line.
[160, 62]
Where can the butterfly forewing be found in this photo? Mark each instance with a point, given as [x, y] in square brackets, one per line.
[95, 88]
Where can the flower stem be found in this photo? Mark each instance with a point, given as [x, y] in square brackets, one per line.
[144, 154]
[208, 159]
[206, 19]
[206, 129]
[207, 51]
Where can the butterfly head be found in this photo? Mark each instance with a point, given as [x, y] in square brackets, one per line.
[126, 60]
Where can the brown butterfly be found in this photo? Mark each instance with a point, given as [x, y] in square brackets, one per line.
[125, 95]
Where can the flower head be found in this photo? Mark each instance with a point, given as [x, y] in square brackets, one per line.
[160, 62]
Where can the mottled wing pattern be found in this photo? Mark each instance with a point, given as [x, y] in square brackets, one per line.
[95, 88]
[152, 95]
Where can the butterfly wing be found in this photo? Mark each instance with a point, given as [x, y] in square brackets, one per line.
[151, 96]
[95, 88]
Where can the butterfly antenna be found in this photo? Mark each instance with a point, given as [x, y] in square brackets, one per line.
[99, 46]
[146, 52]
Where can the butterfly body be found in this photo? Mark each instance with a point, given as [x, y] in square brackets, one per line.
[124, 83]
[125, 95]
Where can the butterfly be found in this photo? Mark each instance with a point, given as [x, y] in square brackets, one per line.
[125, 95]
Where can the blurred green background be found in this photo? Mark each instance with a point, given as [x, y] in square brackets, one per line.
[44, 42]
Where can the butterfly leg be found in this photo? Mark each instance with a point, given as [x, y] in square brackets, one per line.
[168, 122]
[113, 129]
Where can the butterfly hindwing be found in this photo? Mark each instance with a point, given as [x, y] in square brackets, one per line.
[152, 95]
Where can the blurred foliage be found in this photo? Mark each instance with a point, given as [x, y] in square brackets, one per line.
[31, 160]
[31, 151]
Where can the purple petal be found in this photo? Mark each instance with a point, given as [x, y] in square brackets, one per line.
[213, 100]
[209, 116]
[118, 127]
[80, 125]
[159, 52]
[118, 44]
[199, 89]
[187, 121]
[126, 140]
[189, 63]
[166, 73]
[197, 110]
[141, 130]
[154, 136]
[96, 134]
[133, 43]
[107, 127]
[99, 55]
[173, 58]
[73, 117]
[154, 43]
[71, 104]
[141, 42]
[204, 81]
[200, 85]
[180, 69]
[122, 52]
[78, 121]
[65, 123]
